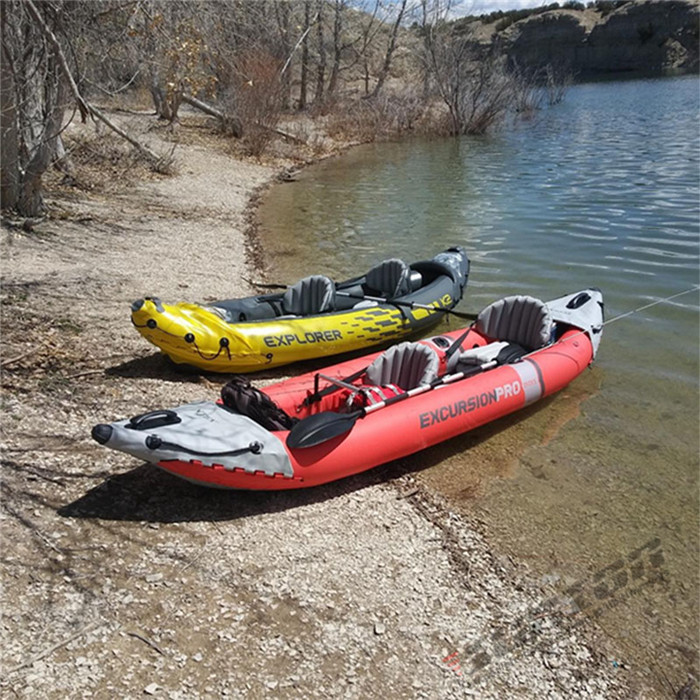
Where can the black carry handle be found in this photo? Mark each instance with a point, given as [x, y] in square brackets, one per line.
[153, 419]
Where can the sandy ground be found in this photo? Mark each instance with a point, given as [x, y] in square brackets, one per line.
[120, 581]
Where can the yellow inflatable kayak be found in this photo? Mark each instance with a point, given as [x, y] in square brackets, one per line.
[313, 318]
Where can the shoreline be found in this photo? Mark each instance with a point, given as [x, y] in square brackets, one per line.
[121, 580]
[431, 505]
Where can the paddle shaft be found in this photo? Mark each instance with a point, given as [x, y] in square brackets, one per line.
[338, 383]
[407, 304]
[321, 427]
[447, 379]
[341, 383]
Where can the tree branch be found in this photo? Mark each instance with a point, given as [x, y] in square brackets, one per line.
[85, 107]
[234, 124]
[298, 44]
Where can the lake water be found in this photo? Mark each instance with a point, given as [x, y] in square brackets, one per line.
[601, 190]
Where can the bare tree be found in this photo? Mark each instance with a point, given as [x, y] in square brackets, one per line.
[283, 16]
[475, 86]
[476, 91]
[38, 85]
[259, 99]
[353, 42]
[338, 12]
[33, 103]
[321, 53]
[391, 47]
[303, 86]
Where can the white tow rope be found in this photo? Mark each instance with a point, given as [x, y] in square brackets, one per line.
[653, 303]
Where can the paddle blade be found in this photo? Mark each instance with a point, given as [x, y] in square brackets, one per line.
[320, 427]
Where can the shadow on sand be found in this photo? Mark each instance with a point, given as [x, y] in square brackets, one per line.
[150, 494]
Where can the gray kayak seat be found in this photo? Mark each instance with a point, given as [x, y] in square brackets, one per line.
[391, 278]
[312, 295]
[406, 365]
[517, 319]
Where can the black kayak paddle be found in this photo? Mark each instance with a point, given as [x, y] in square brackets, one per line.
[380, 300]
[408, 304]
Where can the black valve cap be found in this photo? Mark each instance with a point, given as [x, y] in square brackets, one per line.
[101, 433]
[223, 342]
[153, 442]
[189, 338]
[151, 323]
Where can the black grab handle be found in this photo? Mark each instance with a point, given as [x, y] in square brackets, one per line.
[154, 419]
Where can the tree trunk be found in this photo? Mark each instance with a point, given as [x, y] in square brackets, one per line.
[321, 68]
[337, 46]
[9, 141]
[389, 51]
[31, 202]
[232, 124]
[33, 106]
[282, 13]
[61, 160]
[303, 86]
[159, 101]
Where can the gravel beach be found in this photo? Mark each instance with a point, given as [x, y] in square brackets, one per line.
[120, 581]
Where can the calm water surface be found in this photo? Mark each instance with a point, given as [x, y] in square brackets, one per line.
[601, 190]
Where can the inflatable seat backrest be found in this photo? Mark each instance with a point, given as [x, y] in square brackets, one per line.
[517, 319]
[311, 295]
[391, 278]
[406, 365]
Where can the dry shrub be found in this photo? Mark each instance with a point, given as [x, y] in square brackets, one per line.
[355, 121]
[526, 91]
[558, 79]
[375, 118]
[257, 100]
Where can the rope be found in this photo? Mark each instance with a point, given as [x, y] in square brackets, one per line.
[653, 303]
[194, 342]
[211, 357]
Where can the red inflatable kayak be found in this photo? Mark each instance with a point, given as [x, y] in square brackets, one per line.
[352, 416]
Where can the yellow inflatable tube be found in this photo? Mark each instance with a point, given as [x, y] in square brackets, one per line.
[197, 336]
[314, 318]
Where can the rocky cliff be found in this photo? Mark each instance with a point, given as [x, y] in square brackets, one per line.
[641, 36]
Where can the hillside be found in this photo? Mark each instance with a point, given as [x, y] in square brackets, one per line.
[639, 36]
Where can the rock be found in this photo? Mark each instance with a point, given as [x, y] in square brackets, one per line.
[645, 36]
